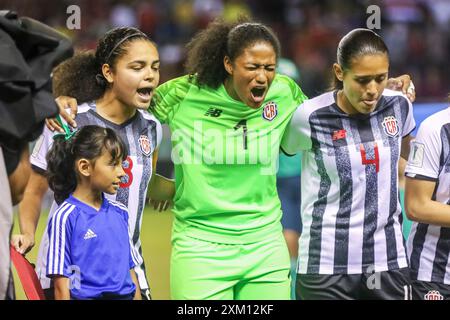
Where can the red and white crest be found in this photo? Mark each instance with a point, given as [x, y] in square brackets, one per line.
[270, 111]
[433, 295]
[390, 125]
[144, 143]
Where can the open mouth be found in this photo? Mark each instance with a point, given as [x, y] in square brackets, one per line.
[145, 93]
[258, 93]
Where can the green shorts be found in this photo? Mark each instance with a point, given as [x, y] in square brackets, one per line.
[206, 270]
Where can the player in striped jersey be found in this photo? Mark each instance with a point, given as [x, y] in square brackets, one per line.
[427, 200]
[118, 83]
[91, 255]
[352, 245]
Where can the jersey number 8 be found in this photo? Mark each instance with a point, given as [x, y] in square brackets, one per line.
[128, 179]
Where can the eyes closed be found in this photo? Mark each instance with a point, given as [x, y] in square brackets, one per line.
[139, 65]
[253, 67]
[366, 80]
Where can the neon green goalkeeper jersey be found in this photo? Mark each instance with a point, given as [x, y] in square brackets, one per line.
[225, 156]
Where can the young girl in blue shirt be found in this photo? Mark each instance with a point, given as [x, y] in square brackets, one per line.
[90, 253]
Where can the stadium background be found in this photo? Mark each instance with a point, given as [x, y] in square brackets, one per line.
[417, 33]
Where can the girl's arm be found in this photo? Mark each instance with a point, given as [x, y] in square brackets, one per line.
[161, 190]
[419, 206]
[137, 294]
[19, 177]
[62, 291]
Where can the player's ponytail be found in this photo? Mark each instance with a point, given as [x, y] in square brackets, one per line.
[356, 43]
[87, 143]
[208, 48]
[60, 168]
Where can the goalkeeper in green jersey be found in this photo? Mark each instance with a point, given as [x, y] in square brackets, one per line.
[227, 118]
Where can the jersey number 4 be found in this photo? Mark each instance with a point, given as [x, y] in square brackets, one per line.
[375, 160]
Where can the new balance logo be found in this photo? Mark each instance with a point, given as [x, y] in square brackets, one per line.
[339, 134]
[213, 112]
[89, 234]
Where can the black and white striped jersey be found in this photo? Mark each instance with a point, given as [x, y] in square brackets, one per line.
[350, 207]
[429, 245]
[142, 135]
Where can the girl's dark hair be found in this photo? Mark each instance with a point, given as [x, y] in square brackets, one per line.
[81, 76]
[89, 143]
[208, 48]
[356, 43]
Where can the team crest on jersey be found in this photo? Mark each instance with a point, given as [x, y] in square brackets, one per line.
[390, 125]
[433, 295]
[270, 111]
[144, 144]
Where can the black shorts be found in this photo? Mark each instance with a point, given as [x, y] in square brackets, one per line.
[386, 285]
[423, 290]
[49, 293]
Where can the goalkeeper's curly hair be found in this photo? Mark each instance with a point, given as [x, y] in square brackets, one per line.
[206, 51]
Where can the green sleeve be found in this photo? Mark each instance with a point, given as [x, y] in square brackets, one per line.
[297, 93]
[168, 97]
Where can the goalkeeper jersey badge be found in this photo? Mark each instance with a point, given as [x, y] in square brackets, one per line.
[144, 144]
[270, 111]
[390, 125]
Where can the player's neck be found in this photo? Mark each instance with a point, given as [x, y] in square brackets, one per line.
[110, 108]
[344, 104]
[85, 194]
[228, 84]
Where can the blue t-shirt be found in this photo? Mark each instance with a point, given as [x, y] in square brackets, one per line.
[92, 248]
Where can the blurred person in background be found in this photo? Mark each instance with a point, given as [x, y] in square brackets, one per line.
[288, 186]
[406, 223]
